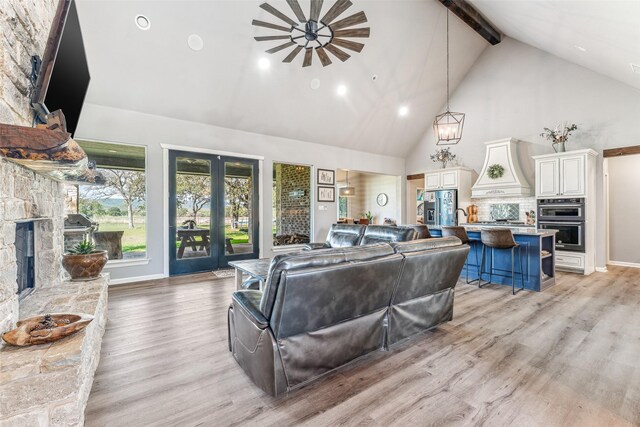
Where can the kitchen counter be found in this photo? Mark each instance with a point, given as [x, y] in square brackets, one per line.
[522, 230]
[539, 268]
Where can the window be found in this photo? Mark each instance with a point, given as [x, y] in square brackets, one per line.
[343, 207]
[117, 208]
[291, 204]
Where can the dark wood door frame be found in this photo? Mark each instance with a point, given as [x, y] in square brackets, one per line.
[622, 151]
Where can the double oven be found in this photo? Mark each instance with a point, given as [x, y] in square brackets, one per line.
[568, 217]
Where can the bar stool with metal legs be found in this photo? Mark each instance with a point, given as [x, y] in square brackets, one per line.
[500, 238]
[461, 233]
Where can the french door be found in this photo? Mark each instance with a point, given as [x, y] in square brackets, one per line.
[213, 211]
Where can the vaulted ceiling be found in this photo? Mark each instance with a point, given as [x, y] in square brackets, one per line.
[156, 72]
[602, 35]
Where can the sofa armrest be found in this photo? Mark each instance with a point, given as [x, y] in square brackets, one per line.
[248, 302]
[312, 246]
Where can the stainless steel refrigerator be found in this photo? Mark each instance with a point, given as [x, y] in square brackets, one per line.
[443, 205]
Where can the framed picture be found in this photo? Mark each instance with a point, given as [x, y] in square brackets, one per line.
[326, 194]
[326, 177]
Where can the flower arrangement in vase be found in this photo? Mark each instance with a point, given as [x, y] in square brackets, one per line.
[444, 156]
[559, 137]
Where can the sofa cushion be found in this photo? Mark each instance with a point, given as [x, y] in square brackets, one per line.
[421, 231]
[316, 258]
[425, 244]
[344, 235]
[386, 234]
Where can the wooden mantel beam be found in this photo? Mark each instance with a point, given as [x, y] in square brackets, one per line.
[463, 10]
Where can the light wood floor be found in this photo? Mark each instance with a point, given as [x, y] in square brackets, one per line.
[566, 356]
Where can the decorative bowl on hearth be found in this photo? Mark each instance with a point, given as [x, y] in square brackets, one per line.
[46, 329]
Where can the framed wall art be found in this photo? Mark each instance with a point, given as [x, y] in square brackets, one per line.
[326, 177]
[326, 194]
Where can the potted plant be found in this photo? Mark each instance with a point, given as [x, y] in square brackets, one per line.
[444, 156]
[557, 137]
[367, 218]
[84, 262]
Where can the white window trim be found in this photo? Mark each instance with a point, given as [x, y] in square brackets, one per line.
[138, 261]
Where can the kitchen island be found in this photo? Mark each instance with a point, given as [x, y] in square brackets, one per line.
[539, 267]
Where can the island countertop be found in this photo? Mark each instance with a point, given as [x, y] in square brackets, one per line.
[538, 249]
[525, 231]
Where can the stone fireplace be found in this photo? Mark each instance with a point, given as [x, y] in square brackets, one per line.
[27, 197]
[46, 384]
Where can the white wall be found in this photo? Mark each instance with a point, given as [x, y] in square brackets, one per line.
[515, 90]
[624, 208]
[123, 126]
[368, 186]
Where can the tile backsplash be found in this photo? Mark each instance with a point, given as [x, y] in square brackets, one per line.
[522, 205]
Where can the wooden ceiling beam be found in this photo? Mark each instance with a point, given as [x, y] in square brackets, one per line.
[463, 10]
[622, 151]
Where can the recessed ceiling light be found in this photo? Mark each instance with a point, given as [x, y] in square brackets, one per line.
[315, 84]
[195, 42]
[341, 90]
[635, 68]
[580, 48]
[403, 111]
[142, 22]
[264, 64]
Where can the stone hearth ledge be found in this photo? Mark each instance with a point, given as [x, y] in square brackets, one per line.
[49, 384]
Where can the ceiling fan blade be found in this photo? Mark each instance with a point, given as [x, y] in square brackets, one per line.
[355, 19]
[295, 6]
[324, 58]
[267, 38]
[339, 53]
[293, 54]
[348, 44]
[275, 12]
[268, 25]
[356, 32]
[279, 48]
[316, 6]
[308, 56]
[335, 11]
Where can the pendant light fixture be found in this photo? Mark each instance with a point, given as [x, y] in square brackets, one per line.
[347, 191]
[448, 126]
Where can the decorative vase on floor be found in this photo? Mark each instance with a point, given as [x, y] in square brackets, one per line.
[559, 147]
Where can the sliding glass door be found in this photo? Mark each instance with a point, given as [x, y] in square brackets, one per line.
[213, 211]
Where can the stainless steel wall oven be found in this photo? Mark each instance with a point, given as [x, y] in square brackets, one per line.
[566, 216]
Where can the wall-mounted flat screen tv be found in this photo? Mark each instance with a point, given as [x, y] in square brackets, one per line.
[69, 73]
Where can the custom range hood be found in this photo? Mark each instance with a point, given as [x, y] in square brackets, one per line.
[501, 174]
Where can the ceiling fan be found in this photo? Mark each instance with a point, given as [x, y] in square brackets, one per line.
[320, 34]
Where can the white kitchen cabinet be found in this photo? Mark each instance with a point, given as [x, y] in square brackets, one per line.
[432, 181]
[572, 176]
[563, 174]
[547, 178]
[446, 179]
[449, 179]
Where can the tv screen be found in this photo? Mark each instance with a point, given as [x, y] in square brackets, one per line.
[70, 75]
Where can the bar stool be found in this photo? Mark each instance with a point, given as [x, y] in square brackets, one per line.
[461, 233]
[500, 238]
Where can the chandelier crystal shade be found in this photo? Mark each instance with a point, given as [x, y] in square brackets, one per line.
[447, 126]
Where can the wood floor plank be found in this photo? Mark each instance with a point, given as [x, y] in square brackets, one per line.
[563, 357]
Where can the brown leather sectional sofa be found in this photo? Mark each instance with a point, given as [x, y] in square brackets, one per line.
[321, 309]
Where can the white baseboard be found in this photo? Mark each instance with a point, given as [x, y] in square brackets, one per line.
[601, 269]
[625, 264]
[128, 280]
